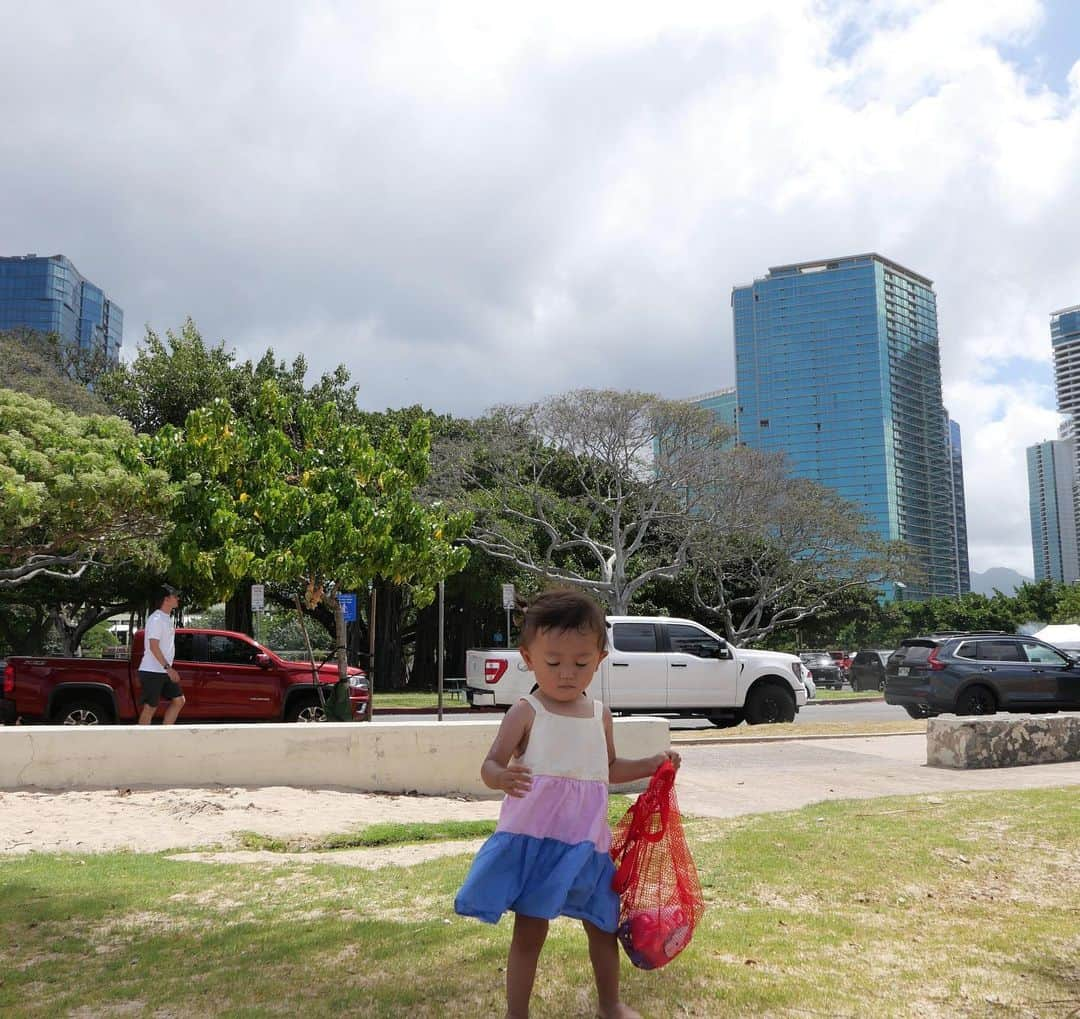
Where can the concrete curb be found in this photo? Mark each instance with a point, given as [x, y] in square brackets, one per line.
[696, 740]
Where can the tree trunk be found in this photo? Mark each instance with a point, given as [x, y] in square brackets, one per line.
[389, 655]
[238, 615]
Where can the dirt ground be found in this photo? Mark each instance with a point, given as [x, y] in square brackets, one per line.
[149, 820]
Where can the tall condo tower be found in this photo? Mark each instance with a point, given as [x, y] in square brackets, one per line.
[50, 295]
[1053, 519]
[837, 365]
[1054, 465]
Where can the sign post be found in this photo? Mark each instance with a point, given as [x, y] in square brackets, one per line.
[258, 603]
[442, 638]
[508, 604]
[348, 606]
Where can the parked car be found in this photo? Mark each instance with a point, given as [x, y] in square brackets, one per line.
[225, 677]
[867, 670]
[979, 674]
[663, 666]
[808, 681]
[823, 668]
[843, 660]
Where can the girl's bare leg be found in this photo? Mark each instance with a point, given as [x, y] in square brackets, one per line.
[529, 935]
[604, 955]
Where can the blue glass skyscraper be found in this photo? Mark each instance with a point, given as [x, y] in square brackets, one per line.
[1053, 523]
[49, 295]
[837, 366]
[724, 406]
[956, 464]
[1053, 467]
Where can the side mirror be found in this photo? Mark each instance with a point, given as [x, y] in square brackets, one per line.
[262, 660]
[723, 652]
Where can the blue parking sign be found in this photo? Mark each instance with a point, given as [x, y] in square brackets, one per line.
[348, 603]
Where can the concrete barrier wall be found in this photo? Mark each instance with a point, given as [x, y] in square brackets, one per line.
[1002, 741]
[432, 758]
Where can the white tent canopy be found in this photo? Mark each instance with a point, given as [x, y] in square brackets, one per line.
[1066, 636]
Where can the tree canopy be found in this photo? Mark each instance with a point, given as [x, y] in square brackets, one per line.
[576, 488]
[774, 551]
[298, 496]
[44, 367]
[73, 491]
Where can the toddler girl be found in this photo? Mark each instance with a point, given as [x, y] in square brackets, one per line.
[553, 757]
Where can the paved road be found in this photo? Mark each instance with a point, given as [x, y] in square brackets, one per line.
[724, 781]
[874, 711]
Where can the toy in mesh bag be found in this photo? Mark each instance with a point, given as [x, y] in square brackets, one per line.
[655, 876]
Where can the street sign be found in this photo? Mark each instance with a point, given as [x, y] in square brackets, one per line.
[258, 597]
[508, 596]
[348, 604]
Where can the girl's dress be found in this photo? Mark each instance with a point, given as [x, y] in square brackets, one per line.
[549, 855]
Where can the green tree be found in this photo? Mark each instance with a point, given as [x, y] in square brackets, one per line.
[74, 491]
[773, 552]
[576, 488]
[299, 497]
[41, 366]
[173, 376]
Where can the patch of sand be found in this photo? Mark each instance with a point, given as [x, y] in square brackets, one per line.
[151, 820]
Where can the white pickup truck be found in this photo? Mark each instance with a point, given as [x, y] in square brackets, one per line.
[662, 666]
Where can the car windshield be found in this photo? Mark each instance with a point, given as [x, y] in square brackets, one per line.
[816, 658]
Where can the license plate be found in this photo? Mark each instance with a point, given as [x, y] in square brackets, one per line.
[903, 671]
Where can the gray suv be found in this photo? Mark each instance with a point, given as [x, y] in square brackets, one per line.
[979, 674]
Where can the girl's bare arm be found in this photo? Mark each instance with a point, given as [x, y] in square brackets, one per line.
[497, 771]
[630, 769]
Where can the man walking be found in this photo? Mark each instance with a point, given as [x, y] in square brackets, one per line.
[156, 673]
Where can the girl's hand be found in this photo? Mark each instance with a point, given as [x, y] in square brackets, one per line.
[667, 755]
[515, 780]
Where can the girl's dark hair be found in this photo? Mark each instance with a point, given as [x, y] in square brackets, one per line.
[561, 609]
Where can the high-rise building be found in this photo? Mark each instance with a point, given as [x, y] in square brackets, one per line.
[723, 403]
[1053, 465]
[956, 465]
[837, 366]
[50, 295]
[1051, 483]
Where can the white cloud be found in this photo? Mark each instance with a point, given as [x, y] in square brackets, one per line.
[474, 203]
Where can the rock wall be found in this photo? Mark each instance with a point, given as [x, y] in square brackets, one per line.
[1002, 741]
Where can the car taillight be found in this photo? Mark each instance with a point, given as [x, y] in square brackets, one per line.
[932, 661]
[494, 668]
[9, 680]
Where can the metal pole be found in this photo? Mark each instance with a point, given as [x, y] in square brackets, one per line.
[508, 626]
[442, 631]
[371, 656]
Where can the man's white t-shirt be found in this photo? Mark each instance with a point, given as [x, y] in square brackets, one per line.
[159, 627]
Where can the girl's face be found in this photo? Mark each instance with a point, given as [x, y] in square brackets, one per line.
[563, 661]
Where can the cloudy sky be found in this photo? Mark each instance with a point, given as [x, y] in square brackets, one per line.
[477, 202]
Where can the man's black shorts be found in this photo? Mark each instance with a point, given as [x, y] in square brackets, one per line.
[156, 685]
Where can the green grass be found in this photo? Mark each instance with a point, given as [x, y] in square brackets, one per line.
[960, 906]
[393, 834]
[417, 699]
[848, 695]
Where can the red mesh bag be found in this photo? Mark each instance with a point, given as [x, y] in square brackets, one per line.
[655, 876]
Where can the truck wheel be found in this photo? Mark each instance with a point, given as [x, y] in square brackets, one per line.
[305, 709]
[769, 703]
[83, 712]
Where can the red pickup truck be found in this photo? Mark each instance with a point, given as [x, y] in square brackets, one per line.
[226, 677]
